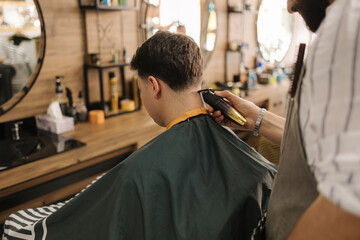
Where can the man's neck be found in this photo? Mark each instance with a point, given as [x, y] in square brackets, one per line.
[177, 104]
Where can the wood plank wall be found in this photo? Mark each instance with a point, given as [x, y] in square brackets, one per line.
[66, 50]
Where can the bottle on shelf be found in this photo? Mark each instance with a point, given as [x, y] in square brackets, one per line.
[81, 109]
[71, 110]
[243, 72]
[252, 79]
[105, 2]
[59, 95]
[114, 95]
[115, 55]
[236, 85]
[126, 58]
[122, 2]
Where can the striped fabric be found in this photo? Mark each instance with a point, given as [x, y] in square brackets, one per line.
[30, 224]
[330, 106]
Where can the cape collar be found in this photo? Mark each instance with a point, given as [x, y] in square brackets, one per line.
[187, 115]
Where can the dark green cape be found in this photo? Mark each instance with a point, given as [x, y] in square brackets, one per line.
[197, 180]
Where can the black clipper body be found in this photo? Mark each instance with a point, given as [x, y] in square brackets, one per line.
[219, 103]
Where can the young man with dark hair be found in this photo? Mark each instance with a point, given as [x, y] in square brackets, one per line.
[196, 180]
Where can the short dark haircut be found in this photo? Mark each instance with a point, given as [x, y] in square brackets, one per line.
[172, 57]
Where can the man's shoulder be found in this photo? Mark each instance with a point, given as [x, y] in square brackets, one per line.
[172, 143]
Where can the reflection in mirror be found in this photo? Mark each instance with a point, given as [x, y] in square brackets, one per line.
[211, 28]
[174, 16]
[21, 47]
[208, 29]
[274, 30]
[196, 18]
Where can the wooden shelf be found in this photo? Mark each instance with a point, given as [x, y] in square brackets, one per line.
[109, 65]
[15, 29]
[232, 10]
[16, 3]
[108, 8]
[96, 5]
[230, 50]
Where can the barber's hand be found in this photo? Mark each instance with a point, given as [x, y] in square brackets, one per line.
[248, 109]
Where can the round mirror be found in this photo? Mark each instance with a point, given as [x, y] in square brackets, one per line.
[196, 18]
[22, 48]
[274, 30]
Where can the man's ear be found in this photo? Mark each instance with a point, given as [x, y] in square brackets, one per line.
[155, 86]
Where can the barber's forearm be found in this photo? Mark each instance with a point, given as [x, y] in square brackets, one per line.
[272, 127]
[325, 220]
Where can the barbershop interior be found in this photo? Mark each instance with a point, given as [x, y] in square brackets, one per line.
[71, 113]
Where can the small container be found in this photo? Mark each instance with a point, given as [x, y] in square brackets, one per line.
[127, 105]
[233, 46]
[95, 59]
[96, 117]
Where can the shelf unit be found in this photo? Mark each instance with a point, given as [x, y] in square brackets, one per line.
[99, 8]
[102, 104]
[242, 10]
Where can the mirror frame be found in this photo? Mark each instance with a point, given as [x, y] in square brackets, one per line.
[11, 103]
[204, 14]
[256, 35]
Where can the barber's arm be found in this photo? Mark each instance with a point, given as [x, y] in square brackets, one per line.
[271, 127]
[325, 220]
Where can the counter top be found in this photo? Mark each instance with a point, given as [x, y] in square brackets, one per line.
[127, 130]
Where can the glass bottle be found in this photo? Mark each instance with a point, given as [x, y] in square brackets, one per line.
[81, 109]
[59, 95]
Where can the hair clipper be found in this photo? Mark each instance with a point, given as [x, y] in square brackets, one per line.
[219, 103]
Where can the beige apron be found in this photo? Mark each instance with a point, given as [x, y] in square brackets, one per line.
[295, 186]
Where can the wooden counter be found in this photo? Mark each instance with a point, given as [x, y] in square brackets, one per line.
[118, 135]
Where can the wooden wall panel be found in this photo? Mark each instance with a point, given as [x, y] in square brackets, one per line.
[66, 50]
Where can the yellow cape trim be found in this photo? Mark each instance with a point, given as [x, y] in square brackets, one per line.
[187, 115]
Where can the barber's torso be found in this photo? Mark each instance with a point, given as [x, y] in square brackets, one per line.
[295, 187]
[320, 142]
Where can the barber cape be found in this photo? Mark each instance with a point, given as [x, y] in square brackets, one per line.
[197, 180]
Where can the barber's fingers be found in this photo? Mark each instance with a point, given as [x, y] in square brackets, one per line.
[232, 98]
[210, 109]
[217, 114]
[219, 118]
